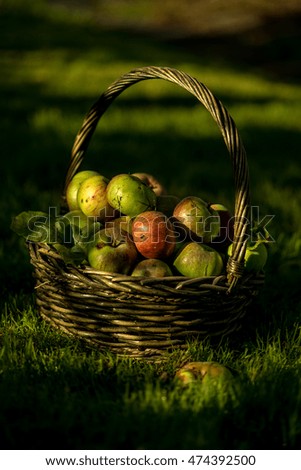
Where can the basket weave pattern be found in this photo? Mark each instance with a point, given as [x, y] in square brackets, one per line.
[145, 317]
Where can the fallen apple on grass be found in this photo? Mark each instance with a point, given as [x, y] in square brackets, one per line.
[152, 268]
[129, 195]
[202, 371]
[153, 235]
[198, 260]
[112, 252]
[201, 220]
[73, 187]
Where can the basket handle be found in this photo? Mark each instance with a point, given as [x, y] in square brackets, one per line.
[226, 125]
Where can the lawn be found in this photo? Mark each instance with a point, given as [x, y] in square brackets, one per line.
[61, 393]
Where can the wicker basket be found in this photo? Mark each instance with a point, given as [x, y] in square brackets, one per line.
[146, 318]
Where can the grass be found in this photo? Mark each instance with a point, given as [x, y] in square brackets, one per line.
[91, 395]
[56, 390]
[64, 394]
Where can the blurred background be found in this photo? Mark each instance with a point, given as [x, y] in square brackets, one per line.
[56, 59]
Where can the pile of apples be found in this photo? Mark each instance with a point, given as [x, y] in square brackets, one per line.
[130, 225]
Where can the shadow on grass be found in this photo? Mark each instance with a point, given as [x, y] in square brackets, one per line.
[99, 410]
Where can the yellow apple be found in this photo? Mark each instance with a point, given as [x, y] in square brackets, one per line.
[73, 187]
[92, 197]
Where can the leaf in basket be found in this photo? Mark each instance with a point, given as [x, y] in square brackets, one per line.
[64, 232]
[260, 233]
[87, 233]
[36, 226]
[74, 255]
[83, 237]
[82, 228]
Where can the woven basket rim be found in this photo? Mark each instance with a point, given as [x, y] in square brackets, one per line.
[178, 283]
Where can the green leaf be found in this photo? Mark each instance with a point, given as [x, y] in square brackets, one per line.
[74, 255]
[81, 227]
[36, 226]
[64, 231]
[260, 234]
[40, 227]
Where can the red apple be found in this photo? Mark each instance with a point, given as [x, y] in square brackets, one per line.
[73, 187]
[153, 235]
[152, 182]
[92, 197]
[152, 268]
[195, 214]
[198, 260]
[226, 232]
[112, 252]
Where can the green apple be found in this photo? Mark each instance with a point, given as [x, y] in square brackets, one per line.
[256, 256]
[92, 197]
[73, 187]
[185, 377]
[198, 260]
[152, 268]
[112, 252]
[203, 371]
[201, 220]
[129, 195]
